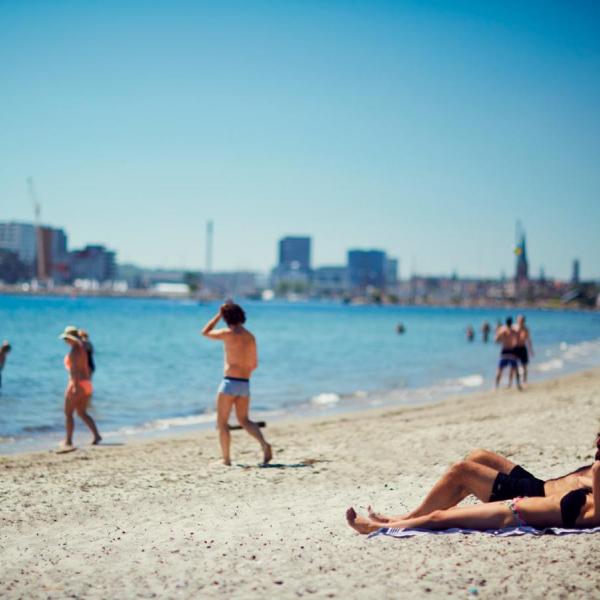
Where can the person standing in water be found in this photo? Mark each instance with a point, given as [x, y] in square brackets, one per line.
[4, 351]
[507, 336]
[524, 345]
[79, 387]
[241, 360]
[485, 332]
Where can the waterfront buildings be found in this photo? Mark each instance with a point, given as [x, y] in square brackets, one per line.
[330, 281]
[367, 269]
[20, 239]
[94, 263]
[293, 270]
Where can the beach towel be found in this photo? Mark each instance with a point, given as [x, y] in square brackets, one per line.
[506, 532]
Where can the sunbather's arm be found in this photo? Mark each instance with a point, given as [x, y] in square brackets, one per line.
[596, 490]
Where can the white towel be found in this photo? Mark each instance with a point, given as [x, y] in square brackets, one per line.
[506, 532]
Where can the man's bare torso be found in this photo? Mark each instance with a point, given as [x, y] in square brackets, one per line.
[239, 352]
[522, 335]
[508, 337]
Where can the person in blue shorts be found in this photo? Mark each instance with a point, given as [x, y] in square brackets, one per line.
[509, 338]
[241, 359]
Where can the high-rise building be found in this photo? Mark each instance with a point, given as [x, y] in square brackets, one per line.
[367, 269]
[575, 272]
[294, 254]
[93, 262]
[391, 271]
[54, 255]
[20, 239]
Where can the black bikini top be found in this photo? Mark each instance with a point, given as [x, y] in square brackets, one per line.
[571, 505]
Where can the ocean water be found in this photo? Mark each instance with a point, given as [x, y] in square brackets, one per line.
[155, 372]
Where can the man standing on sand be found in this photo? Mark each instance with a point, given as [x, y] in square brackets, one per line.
[240, 361]
[508, 337]
[524, 346]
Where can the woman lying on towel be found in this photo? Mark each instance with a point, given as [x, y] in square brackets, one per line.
[578, 508]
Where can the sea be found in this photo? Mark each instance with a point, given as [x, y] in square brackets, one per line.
[156, 374]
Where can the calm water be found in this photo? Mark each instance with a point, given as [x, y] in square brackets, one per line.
[155, 372]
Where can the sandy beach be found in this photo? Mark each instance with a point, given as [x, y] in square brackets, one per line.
[166, 519]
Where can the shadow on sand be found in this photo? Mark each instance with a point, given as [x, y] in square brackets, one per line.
[305, 463]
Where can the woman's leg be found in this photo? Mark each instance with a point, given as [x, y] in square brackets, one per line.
[87, 419]
[69, 421]
[461, 480]
[493, 515]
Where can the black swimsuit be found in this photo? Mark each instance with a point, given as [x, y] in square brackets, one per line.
[571, 505]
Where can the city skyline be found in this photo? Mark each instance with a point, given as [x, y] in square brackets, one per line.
[425, 129]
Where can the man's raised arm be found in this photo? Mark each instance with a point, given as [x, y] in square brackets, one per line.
[209, 330]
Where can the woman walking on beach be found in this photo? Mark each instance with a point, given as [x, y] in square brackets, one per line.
[79, 387]
[579, 508]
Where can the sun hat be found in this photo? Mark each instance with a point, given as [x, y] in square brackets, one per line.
[70, 333]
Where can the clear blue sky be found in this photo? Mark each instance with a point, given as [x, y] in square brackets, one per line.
[424, 128]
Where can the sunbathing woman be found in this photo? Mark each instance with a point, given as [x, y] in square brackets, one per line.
[578, 508]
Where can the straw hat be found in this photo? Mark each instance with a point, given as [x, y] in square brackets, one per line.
[70, 333]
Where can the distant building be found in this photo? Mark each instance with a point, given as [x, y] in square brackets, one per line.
[391, 271]
[330, 281]
[20, 239]
[55, 255]
[522, 266]
[294, 254]
[367, 269]
[93, 262]
[575, 272]
[293, 271]
[12, 268]
[229, 284]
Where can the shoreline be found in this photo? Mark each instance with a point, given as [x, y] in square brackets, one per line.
[344, 405]
[312, 418]
[166, 518]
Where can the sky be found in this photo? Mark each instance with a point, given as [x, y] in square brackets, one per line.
[424, 128]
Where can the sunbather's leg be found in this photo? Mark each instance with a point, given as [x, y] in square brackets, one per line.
[493, 515]
[462, 479]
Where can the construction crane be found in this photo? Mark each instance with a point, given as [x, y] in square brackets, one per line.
[39, 234]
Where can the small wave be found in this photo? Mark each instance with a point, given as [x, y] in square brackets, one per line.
[551, 365]
[325, 398]
[471, 380]
[163, 424]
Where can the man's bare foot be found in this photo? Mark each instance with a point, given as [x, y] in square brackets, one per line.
[268, 454]
[227, 462]
[65, 444]
[360, 524]
[97, 440]
[374, 516]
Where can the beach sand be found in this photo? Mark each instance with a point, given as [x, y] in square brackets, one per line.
[165, 519]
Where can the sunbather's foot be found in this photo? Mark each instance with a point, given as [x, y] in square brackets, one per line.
[360, 524]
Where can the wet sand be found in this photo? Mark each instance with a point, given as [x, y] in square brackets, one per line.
[166, 519]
